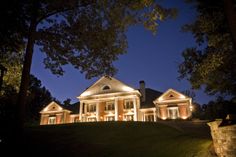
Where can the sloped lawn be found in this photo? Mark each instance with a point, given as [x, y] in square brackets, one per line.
[113, 139]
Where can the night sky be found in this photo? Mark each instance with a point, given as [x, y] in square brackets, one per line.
[153, 59]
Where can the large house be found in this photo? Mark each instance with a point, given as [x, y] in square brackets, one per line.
[109, 99]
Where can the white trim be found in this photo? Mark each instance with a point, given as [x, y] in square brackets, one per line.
[147, 109]
[173, 108]
[106, 117]
[116, 109]
[135, 109]
[80, 110]
[107, 95]
[52, 118]
[155, 115]
[45, 109]
[157, 100]
[97, 111]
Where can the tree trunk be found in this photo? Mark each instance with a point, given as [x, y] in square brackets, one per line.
[230, 12]
[21, 108]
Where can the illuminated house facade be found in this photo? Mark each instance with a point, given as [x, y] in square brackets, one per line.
[109, 99]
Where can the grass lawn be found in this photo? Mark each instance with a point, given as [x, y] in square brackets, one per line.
[114, 139]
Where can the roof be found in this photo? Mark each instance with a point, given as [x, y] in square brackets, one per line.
[73, 107]
[151, 95]
[106, 85]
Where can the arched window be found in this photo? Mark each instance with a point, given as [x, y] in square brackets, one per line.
[106, 87]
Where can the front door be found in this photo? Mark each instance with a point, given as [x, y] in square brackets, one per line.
[52, 120]
[173, 113]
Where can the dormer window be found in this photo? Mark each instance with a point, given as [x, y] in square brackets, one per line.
[106, 87]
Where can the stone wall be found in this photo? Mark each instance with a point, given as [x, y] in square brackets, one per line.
[224, 139]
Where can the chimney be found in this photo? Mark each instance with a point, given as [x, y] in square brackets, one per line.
[142, 90]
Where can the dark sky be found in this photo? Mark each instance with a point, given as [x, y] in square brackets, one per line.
[153, 59]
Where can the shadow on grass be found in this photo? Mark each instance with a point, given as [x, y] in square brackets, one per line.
[111, 139]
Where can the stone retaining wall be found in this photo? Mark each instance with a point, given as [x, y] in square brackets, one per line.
[224, 139]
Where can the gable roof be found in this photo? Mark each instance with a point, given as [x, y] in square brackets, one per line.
[151, 95]
[171, 94]
[73, 107]
[106, 84]
[52, 106]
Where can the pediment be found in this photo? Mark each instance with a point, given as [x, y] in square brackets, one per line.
[53, 106]
[105, 85]
[171, 94]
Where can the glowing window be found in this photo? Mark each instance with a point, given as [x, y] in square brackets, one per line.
[110, 106]
[52, 120]
[91, 108]
[110, 118]
[129, 104]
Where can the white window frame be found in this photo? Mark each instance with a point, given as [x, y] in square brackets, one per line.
[128, 105]
[149, 114]
[173, 108]
[52, 119]
[128, 115]
[91, 108]
[91, 119]
[108, 118]
[110, 103]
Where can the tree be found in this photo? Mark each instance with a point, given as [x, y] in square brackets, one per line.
[12, 28]
[211, 63]
[230, 13]
[67, 102]
[37, 98]
[88, 34]
[12, 67]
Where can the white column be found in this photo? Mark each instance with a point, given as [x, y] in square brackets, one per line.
[135, 109]
[80, 110]
[97, 111]
[139, 117]
[116, 110]
[158, 111]
[155, 115]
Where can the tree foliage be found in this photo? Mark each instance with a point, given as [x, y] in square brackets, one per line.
[211, 63]
[37, 98]
[13, 64]
[88, 34]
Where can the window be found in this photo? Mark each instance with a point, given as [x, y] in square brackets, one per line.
[149, 118]
[92, 119]
[106, 87]
[91, 108]
[109, 106]
[128, 104]
[110, 118]
[76, 119]
[52, 120]
[128, 117]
